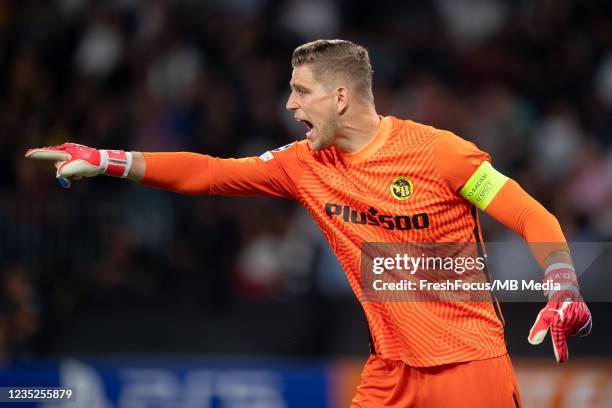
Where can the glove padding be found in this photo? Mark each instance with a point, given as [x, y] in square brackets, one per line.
[76, 161]
[566, 315]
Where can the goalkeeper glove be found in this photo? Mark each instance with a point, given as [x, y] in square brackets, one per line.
[75, 161]
[566, 313]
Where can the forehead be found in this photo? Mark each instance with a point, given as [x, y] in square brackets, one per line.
[302, 75]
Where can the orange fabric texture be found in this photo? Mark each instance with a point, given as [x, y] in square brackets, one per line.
[192, 173]
[516, 209]
[475, 384]
[420, 334]
[457, 159]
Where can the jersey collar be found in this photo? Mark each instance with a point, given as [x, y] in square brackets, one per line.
[384, 129]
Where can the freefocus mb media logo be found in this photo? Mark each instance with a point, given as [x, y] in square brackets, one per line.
[401, 188]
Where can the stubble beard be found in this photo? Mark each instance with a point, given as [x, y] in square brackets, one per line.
[327, 135]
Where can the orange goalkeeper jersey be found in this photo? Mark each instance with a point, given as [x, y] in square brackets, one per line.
[406, 169]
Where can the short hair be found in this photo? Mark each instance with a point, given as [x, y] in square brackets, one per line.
[331, 60]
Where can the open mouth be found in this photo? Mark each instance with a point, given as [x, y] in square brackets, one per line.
[309, 127]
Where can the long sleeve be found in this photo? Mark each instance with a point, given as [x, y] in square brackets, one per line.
[275, 173]
[516, 209]
[460, 161]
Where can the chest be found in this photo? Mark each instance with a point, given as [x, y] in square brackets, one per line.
[395, 183]
[401, 193]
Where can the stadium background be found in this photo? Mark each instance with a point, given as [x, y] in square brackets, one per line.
[110, 277]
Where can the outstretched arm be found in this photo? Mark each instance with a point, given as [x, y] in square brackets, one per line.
[273, 174]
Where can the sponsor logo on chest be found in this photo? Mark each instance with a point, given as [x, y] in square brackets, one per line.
[376, 219]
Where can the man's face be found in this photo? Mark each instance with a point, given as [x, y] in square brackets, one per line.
[313, 105]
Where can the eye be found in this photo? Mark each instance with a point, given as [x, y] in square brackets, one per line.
[300, 92]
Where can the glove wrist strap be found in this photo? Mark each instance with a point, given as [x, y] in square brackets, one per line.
[115, 163]
[564, 274]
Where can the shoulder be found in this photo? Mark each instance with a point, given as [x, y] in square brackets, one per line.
[449, 145]
[286, 152]
[443, 140]
[413, 133]
[456, 158]
[445, 137]
[289, 158]
[413, 126]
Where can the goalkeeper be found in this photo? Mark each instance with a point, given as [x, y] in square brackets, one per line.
[352, 162]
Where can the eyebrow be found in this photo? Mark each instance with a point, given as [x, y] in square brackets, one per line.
[297, 87]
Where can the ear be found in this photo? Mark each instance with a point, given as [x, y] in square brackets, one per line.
[343, 98]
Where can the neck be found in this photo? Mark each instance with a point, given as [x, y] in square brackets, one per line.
[358, 129]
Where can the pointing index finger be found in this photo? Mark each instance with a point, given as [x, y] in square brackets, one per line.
[47, 154]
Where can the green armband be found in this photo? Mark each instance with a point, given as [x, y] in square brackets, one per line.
[483, 186]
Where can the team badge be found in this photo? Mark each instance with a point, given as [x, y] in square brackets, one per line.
[401, 188]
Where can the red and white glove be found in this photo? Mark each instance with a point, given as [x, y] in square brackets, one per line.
[75, 161]
[566, 313]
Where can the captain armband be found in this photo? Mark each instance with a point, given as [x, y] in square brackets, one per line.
[483, 186]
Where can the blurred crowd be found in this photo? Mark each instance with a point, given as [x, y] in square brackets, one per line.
[529, 81]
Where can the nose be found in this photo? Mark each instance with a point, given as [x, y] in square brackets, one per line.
[291, 105]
